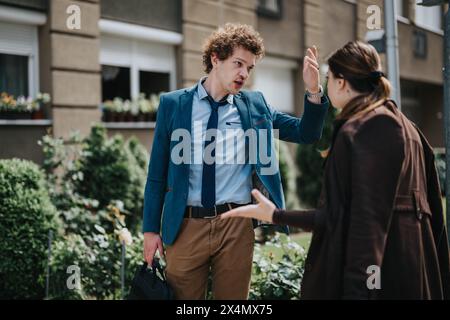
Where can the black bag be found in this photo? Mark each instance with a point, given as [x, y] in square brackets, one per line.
[147, 285]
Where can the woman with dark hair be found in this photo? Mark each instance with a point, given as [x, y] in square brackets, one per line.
[378, 232]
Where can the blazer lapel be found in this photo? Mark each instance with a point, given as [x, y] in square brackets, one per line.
[185, 111]
[242, 105]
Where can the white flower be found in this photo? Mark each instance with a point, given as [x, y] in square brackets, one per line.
[119, 205]
[127, 106]
[21, 100]
[125, 236]
[46, 98]
[134, 108]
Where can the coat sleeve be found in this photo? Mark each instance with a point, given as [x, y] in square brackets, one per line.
[377, 154]
[155, 186]
[295, 218]
[307, 129]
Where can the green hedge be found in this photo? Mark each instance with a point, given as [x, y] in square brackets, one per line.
[96, 250]
[111, 169]
[26, 216]
[276, 279]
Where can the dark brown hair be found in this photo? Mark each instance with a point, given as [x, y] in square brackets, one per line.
[224, 40]
[359, 64]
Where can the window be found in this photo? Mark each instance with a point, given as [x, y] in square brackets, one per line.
[153, 82]
[131, 66]
[274, 77]
[115, 82]
[14, 74]
[429, 17]
[270, 8]
[402, 8]
[18, 59]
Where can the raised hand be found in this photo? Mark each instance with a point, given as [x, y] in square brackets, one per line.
[311, 74]
[262, 211]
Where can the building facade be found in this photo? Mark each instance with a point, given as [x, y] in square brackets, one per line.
[123, 48]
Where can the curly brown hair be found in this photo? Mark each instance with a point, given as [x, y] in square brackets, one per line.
[225, 39]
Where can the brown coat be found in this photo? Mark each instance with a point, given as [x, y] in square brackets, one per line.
[381, 206]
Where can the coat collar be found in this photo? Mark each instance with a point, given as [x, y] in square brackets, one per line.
[239, 100]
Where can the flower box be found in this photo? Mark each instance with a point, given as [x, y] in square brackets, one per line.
[137, 110]
[12, 115]
[22, 108]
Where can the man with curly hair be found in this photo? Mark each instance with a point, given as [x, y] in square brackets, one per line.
[190, 196]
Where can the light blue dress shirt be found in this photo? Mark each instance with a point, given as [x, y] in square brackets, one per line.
[233, 174]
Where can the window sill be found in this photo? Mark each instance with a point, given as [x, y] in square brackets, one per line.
[129, 125]
[26, 122]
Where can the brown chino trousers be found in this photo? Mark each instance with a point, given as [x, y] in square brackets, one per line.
[223, 246]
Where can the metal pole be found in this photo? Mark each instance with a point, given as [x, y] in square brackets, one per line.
[447, 116]
[47, 283]
[122, 271]
[390, 22]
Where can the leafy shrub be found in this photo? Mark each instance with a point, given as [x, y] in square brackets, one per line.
[288, 172]
[27, 215]
[281, 279]
[97, 253]
[92, 172]
[108, 170]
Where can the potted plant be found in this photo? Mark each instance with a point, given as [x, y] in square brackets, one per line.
[144, 107]
[22, 107]
[108, 109]
[140, 109]
[154, 103]
[41, 100]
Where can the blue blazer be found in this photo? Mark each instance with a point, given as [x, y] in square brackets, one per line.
[167, 185]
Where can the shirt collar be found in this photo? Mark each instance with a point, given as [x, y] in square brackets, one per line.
[202, 94]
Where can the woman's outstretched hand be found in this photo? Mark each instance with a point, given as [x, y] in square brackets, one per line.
[311, 74]
[262, 211]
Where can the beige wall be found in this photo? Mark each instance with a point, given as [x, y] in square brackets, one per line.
[339, 25]
[74, 67]
[21, 142]
[427, 70]
[200, 18]
[284, 38]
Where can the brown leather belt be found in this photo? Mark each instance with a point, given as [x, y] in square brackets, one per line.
[209, 213]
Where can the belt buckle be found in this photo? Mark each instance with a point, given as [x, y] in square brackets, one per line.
[215, 214]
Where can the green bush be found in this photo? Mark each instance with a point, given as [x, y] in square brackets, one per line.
[97, 251]
[277, 279]
[110, 169]
[67, 252]
[288, 172]
[90, 173]
[27, 215]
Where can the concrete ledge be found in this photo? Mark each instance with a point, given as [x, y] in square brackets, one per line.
[129, 125]
[43, 123]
